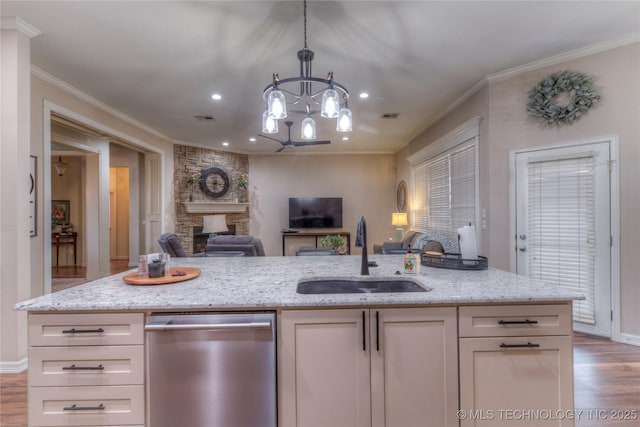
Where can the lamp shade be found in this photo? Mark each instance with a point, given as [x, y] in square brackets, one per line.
[330, 104]
[214, 223]
[277, 105]
[308, 129]
[399, 219]
[344, 123]
[269, 124]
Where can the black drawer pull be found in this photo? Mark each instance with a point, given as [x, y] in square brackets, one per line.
[517, 322]
[527, 345]
[83, 331]
[83, 368]
[74, 407]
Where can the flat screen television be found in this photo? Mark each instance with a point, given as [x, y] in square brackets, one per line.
[315, 212]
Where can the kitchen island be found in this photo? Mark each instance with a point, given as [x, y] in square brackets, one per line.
[388, 359]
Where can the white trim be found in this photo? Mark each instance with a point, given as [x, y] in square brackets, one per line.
[17, 23]
[40, 73]
[614, 156]
[214, 207]
[14, 367]
[468, 130]
[565, 57]
[629, 339]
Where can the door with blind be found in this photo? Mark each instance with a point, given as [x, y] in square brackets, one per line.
[563, 228]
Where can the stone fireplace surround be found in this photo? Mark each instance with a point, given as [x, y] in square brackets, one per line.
[194, 159]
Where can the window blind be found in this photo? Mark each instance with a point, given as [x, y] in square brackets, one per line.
[561, 211]
[444, 190]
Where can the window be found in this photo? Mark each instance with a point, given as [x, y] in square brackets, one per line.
[444, 181]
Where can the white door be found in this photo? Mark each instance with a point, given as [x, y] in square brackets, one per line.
[153, 218]
[563, 228]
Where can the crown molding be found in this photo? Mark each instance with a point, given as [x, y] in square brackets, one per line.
[17, 23]
[40, 73]
[564, 57]
[521, 69]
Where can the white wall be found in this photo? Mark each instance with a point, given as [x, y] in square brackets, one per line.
[365, 182]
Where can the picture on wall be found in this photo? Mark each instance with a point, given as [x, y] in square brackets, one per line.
[60, 212]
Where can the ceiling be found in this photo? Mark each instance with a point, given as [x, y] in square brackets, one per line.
[158, 62]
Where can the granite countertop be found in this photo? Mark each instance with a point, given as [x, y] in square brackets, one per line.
[270, 283]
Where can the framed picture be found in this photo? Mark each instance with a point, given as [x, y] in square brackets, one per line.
[33, 195]
[60, 212]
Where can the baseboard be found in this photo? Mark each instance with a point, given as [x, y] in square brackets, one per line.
[630, 339]
[13, 367]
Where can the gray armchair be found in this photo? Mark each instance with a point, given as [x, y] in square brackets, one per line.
[247, 244]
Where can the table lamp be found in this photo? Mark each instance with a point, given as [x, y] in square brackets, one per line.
[399, 219]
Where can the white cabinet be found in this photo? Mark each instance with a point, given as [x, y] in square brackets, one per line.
[86, 369]
[516, 365]
[368, 367]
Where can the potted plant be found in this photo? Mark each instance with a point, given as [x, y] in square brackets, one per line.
[242, 183]
[333, 241]
[191, 180]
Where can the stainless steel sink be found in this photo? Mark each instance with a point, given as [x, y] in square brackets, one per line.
[356, 286]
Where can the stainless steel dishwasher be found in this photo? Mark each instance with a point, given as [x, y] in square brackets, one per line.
[212, 370]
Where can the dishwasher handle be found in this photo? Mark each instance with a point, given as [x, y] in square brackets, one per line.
[207, 326]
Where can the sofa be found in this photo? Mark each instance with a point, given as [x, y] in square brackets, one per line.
[250, 245]
[418, 242]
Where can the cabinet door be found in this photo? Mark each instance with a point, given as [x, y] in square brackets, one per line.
[516, 381]
[324, 369]
[414, 367]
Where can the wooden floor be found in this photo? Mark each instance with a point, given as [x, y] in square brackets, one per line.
[607, 383]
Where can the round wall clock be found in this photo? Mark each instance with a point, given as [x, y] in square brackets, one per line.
[401, 197]
[214, 182]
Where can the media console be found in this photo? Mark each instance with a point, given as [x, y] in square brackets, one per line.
[317, 233]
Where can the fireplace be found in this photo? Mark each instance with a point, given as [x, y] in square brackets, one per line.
[200, 238]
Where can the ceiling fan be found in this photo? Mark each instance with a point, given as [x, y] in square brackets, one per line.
[293, 143]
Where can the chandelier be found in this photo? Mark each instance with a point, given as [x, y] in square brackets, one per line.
[60, 166]
[303, 98]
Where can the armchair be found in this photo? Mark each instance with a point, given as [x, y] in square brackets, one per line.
[170, 244]
[250, 245]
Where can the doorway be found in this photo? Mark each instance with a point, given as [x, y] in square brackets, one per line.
[563, 228]
[119, 213]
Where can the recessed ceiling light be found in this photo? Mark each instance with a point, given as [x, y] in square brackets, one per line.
[225, 143]
[364, 95]
[345, 138]
[216, 96]
[252, 139]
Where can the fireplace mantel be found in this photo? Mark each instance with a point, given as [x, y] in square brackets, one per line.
[214, 207]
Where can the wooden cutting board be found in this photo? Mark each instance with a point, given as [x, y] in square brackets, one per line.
[191, 272]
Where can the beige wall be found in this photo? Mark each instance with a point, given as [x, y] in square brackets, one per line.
[507, 126]
[365, 182]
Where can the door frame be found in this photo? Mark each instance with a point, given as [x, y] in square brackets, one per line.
[613, 141]
[102, 163]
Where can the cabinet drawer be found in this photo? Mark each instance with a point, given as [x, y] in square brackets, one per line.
[95, 365]
[86, 329]
[514, 320]
[86, 406]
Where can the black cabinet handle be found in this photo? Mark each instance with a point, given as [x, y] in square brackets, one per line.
[517, 322]
[75, 407]
[83, 368]
[83, 331]
[364, 332]
[527, 345]
[377, 331]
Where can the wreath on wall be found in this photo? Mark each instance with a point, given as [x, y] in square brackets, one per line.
[543, 97]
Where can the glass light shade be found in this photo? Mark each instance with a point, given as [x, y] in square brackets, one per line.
[277, 105]
[269, 124]
[330, 104]
[344, 120]
[308, 129]
[60, 166]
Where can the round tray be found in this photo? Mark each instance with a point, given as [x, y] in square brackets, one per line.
[455, 262]
[133, 279]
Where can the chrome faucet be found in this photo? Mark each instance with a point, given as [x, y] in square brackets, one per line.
[361, 242]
